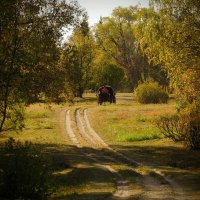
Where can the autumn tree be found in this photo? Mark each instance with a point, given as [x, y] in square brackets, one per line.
[115, 35]
[30, 33]
[169, 35]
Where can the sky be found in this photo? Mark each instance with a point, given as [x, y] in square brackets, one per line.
[103, 8]
[98, 8]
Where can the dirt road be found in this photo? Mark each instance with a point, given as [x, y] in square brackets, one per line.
[147, 186]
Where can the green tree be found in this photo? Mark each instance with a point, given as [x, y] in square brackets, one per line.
[30, 32]
[116, 36]
[169, 35]
[77, 58]
[109, 74]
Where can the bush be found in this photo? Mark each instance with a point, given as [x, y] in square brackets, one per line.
[150, 92]
[172, 127]
[191, 119]
[15, 118]
[184, 126]
[25, 173]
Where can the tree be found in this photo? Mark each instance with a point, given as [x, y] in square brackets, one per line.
[30, 32]
[105, 71]
[116, 36]
[109, 74]
[77, 58]
[169, 35]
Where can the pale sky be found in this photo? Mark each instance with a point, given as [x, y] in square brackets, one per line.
[104, 8]
[97, 8]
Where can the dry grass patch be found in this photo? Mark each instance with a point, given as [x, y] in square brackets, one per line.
[42, 125]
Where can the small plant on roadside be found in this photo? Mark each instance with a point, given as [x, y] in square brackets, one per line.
[15, 118]
[184, 126]
[24, 172]
[150, 92]
[172, 127]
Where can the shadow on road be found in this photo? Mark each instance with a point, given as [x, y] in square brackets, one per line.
[181, 165]
[74, 169]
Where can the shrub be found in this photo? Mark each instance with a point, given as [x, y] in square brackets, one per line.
[15, 118]
[191, 119]
[172, 127]
[25, 173]
[185, 126]
[150, 92]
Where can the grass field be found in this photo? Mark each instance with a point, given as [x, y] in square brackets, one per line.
[127, 126]
[42, 125]
[129, 121]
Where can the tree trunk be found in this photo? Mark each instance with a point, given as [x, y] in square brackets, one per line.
[8, 80]
[5, 106]
[79, 92]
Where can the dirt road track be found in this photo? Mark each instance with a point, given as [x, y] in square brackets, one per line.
[150, 187]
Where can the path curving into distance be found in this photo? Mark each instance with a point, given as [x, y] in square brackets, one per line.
[150, 187]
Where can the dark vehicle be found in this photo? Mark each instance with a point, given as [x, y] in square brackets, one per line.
[106, 94]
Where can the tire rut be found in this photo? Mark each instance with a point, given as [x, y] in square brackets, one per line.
[123, 187]
[155, 186]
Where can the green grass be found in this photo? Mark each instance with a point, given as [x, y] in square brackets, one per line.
[42, 126]
[124, 137]
[128, 122]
